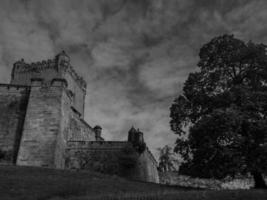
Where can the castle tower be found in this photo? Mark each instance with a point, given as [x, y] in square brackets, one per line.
[57, 68]
[57, 93]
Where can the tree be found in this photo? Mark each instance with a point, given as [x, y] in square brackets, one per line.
[167, 160]
[224, 107]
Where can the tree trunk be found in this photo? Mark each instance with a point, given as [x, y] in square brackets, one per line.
[258, 180]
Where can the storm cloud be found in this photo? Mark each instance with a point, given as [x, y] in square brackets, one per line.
[134, 54]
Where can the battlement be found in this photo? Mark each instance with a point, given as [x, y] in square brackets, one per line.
[56, 82]
[78, 78]
[36, 67]
[60, 65]
[97, 145]
[14, 88]
[49, 73]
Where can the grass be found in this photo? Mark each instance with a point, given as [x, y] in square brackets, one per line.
[184, 195]
[29, 183]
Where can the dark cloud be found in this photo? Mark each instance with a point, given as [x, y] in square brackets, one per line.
[134, 54]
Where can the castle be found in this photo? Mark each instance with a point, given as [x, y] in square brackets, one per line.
[42, 124]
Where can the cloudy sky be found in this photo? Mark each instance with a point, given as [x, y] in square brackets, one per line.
[134, 54]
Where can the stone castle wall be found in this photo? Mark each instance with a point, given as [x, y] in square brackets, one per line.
[72, 128]
[42, 125]
[99, 156]
[147, 168]
[13, 106]
[105, 157]
[78, 129]
[77, 91]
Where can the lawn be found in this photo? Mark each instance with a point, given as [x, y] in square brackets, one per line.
[29, 183]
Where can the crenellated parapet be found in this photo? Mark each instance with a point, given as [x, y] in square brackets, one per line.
[60, 64]
[9, 88]
[56, 82]
[35, 67]
[63, 63]
[97, 145]
[76, 77]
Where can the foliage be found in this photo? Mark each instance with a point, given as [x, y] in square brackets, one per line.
[224, 104]
[167, 160]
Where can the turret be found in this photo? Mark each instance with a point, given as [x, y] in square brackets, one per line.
[135, 136]
[62, 60]
[131, 135]
[140, 137]
[98, 131]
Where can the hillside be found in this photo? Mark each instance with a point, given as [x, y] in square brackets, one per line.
[40, 183]
[29, 183]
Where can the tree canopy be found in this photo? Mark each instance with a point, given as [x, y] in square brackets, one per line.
[224, 105]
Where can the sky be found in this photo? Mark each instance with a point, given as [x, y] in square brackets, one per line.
[134, 54]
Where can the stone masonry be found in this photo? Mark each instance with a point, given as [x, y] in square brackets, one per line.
[41, 124]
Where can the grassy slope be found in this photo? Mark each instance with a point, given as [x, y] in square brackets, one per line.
[38, 183]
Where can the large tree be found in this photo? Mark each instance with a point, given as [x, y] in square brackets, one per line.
[223, 106]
